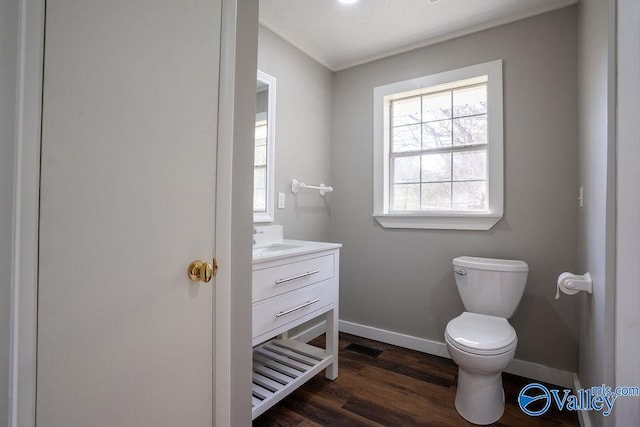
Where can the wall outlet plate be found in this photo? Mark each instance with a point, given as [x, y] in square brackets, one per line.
[280, 200]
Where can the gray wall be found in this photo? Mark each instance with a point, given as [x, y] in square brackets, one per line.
[596, 230]
[401, 280]
[303, 135]
[627, 349]
[8, 70]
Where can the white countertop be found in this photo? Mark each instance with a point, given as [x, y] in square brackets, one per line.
[271, 251]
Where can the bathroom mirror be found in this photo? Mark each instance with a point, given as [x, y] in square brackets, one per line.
[264, 160]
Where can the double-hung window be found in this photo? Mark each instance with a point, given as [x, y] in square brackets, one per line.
[438, 154]
[260, 166]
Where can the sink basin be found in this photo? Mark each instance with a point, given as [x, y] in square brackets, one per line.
[273, 247]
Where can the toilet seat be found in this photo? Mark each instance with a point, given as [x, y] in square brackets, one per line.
[481, 334]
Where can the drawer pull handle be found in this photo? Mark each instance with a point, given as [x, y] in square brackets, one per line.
[306, 304]
[299, 276]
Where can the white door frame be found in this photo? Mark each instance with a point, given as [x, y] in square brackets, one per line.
[25, 214]
[231, 320]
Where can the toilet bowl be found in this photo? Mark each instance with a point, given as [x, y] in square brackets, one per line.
[482, 346]
[480, 340]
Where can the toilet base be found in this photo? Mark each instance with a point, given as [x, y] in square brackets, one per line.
[479, 396]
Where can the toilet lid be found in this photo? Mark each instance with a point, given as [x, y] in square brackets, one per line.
[481, 334]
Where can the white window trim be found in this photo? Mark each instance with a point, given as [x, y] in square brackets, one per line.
[495, 154]
[269, 214]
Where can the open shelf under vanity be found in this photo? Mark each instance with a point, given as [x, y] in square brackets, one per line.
[280, 366]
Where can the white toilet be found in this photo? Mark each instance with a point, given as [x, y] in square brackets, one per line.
[480, 340]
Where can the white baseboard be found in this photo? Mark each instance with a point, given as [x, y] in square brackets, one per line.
[583, 416]
[395, 338]
[518, 367]
[542, 373]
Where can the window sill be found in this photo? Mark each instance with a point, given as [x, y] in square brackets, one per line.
[439, 222]
[262, 217]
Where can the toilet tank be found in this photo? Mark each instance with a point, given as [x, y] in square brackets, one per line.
[490, 286]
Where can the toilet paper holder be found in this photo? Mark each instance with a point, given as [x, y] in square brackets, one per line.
[571, 284]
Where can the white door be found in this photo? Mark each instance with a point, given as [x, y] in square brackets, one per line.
[130, 97]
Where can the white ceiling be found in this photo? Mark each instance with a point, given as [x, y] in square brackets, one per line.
[340, 36]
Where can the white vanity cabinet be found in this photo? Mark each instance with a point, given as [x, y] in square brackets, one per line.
[291, 287]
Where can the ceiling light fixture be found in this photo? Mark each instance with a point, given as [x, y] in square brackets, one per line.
[347, 1]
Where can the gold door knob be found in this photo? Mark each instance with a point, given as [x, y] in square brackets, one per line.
[200, 270]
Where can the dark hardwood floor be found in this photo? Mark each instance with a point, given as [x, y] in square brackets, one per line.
[398, 387]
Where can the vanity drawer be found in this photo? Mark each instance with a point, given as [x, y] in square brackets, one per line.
[272, 281]
[279, 311]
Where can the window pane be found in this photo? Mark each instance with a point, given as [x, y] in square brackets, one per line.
[470, 196]
[436, 134]
[470, 130]
[406, 111]
[261, 156]
[261, 133]
[406, 197]
[436, 197]
[436, 106]
[436, 167]
[261, 142]
[468, 165]
[259, 200]
[259, 180]
[406, 169]
[469, 101]
[405, 138]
